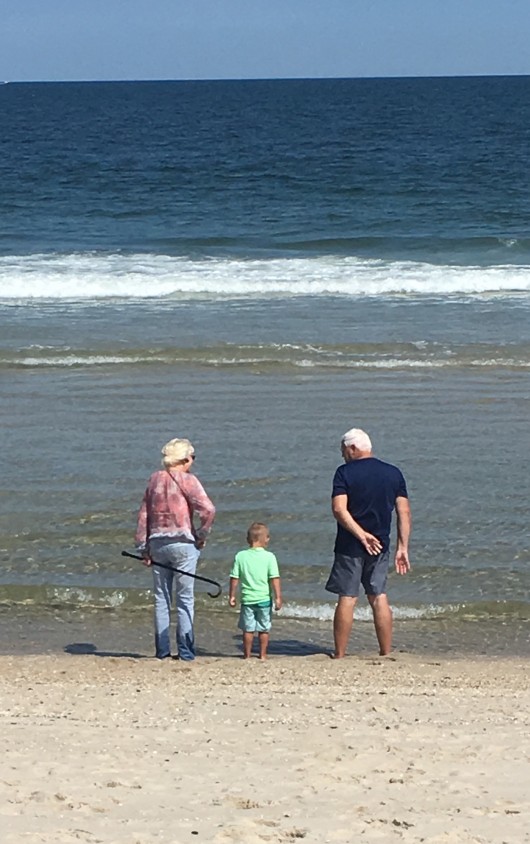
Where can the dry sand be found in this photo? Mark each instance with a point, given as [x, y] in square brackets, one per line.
[135, 751]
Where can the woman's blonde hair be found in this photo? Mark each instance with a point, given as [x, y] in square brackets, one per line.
[176, 451]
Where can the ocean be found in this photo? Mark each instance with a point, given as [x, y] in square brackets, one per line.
[259, 266]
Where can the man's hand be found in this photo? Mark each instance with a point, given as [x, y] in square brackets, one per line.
[339, 508]
[200, 543]
[371, 543]
[402, 562]
[232, 600]
[147, 559]
[278, 603]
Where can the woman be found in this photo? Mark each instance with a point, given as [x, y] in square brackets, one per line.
[166, 534]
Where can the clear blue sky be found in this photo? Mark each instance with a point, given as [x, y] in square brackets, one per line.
[233, 39]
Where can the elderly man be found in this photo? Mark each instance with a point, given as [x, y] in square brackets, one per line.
[365, 492]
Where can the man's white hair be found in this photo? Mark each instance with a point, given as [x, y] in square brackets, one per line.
[358, 438]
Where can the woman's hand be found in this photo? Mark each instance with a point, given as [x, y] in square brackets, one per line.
[147, 559]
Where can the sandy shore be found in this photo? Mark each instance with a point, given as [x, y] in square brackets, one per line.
[134, 751]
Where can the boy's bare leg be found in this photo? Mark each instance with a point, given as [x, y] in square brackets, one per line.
[342, 624]
[263, 645]
[248, 638]
[383, 622]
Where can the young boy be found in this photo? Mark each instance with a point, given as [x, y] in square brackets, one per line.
[256, 570]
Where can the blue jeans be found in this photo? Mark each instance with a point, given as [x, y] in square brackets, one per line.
[181, 555]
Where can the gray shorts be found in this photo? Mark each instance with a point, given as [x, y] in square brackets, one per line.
[348, 573]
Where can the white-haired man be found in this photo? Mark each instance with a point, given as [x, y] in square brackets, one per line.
[365, 493]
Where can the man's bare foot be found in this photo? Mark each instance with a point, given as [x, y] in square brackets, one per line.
[337, 656]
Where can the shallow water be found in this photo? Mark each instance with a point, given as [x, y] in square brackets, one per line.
[129, 634]
[267, 445]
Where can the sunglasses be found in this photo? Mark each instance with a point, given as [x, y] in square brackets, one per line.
[191, 457]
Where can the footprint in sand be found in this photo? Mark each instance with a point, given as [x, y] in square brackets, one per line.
[245, 803]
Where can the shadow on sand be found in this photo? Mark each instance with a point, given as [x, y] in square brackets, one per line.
[277, 647]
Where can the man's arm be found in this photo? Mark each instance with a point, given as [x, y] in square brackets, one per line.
[404, 523]
[339, 508]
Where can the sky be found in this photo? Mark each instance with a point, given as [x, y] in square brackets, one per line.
[248, 39]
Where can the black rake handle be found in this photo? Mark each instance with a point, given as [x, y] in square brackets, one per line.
[180, 571]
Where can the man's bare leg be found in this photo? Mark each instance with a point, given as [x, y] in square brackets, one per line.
[248, 638]
[342, 624]
[263, 645]
[383, 622]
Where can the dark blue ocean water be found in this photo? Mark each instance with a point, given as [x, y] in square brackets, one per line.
[260, 266]
[404, 169]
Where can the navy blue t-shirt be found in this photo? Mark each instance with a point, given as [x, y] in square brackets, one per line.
[372, 488]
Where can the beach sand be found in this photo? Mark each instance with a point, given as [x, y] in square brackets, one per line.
[136, 751]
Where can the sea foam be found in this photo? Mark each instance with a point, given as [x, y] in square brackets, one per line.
[83, 276]
[325, 612]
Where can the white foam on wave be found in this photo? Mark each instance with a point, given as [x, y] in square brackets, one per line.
[78, 360]
[72, 360]
[411, 363]
[91, 276]
[324, 612]
[81, 597]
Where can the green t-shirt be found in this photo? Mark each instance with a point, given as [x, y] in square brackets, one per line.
[254, 567]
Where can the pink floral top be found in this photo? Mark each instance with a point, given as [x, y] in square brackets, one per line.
[168, 505]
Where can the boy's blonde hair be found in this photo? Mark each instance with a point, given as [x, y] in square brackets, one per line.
[257, 532]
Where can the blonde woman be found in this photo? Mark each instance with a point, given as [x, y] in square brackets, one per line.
[166, 534]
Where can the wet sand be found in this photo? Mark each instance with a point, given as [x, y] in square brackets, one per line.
[28, 630]
[406, 748]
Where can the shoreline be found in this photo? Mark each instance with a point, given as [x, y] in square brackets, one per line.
[27, 631]
[397, 748]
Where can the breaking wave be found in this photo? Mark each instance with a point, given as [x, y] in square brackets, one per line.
[82, 276]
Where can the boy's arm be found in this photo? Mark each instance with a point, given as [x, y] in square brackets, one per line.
[276, 584]
[233, 591]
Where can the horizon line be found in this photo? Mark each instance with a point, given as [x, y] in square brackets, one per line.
[265, 78]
